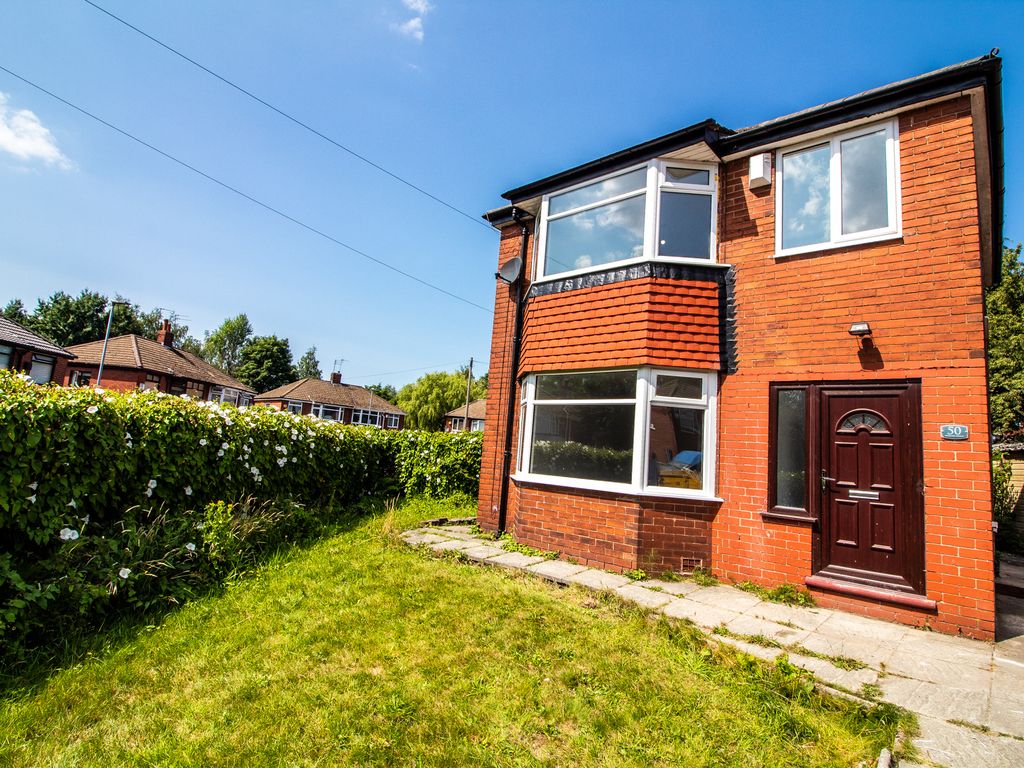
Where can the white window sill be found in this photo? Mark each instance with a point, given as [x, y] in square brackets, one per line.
[832, 246]
[625, 265]
[619, 488]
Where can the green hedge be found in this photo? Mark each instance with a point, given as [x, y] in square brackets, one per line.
[112, 503]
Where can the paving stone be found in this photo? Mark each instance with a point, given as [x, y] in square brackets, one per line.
[842, 625]
[457, 529]
[960, 650]
[803, 618]
[943, 702]
[1011, 651]
[597, 579]
[701, 614]
[1006, 702]
[867, 649]
[415, 538]
[745, 624]
[515, 560]
[826, 671]
[671, 587]
[954, 745]
[760, 651]
[556, 570]
[449, 533]
[729, 598]
[924, 666]
[483, 552]
[451, 545]
[645, 598]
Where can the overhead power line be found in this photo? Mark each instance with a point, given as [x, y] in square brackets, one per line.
[240, 193]
[288, 116]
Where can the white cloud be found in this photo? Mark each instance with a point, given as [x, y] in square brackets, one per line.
[22, 135]
[421, 7]
[412, 28]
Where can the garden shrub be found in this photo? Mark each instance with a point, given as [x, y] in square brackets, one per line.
[1008, 539]
[114, 503]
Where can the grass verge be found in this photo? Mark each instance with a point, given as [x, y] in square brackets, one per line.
[357, 650]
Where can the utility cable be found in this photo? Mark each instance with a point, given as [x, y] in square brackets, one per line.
[287, 116]
[240, 193]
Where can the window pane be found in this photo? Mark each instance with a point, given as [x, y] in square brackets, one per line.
[689, 387]
[677, 447]
[607, 385]
[601, 235]
[791, 449]
[684, 228]
[687, 176]
[865, 188]
[602, 190]
[42, 369]
[593, 442]
[5, 357]
[805, 197]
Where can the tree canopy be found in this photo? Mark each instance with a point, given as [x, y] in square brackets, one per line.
[223, 346]
[385, 392]
[308, 366]
[1004, 308]
[431, 396]
[265, 362]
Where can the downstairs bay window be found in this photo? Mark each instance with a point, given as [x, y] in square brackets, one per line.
[648, 431]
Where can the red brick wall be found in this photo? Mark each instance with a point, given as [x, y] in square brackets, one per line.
[117, 379]
[922, 295]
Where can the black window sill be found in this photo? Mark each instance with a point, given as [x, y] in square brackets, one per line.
[788, 517]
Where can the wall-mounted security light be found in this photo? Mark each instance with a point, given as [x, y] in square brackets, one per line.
[860, 330]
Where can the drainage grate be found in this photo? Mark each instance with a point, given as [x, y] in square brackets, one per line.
[691, 564]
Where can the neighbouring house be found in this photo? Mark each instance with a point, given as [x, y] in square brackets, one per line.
[27, 352]
[1014, 454]
[135, 362]
[334, 401]
[762, 352]
[455, 421]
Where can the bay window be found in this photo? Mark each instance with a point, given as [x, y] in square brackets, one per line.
[644, 430]
[839, 190]
[661, 210]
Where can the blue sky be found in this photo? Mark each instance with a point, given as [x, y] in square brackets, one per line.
[464, 99]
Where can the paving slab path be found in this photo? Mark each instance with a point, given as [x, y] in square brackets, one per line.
[968, 695]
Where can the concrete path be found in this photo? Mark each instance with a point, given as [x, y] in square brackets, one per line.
[968, 695]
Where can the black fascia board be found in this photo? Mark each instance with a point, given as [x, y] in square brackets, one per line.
[707, 131]
[943, 83]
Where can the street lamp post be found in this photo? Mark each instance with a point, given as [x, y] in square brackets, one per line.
[106, 338]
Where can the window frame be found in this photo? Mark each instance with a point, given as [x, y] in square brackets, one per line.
[369, 413]
[655, 183]
[836, 237]
[644, 397]
[319, 409]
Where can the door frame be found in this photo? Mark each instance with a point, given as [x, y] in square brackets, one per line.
[911, 494]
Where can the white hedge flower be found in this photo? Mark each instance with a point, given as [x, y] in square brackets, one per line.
[220, 452]
[33, 486]
[190, 547]
[149, 492]
[73, 504]
[224, 446]
[99, 390]
[32, 498]
[151, 483]
[91, 409]
[124, 573]
[188, 490]
[202, 441]
[282, 461]
[68, 534]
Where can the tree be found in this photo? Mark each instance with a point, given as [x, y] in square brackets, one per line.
[265, 362]
[1004, 308]
[431, 396]
[223, 347]
[15, 310]
[308, 366]
[385, 392]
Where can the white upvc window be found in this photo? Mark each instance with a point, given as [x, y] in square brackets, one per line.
[367, 418]
[392, 420]
[838, 190]
[476, 425]
[661, 210]
[458, 422]
[328, 412]
[293, 406]
[649, 431]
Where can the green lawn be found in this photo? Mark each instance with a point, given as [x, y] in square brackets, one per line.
[359, 651]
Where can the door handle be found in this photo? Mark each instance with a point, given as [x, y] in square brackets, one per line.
[825, 480]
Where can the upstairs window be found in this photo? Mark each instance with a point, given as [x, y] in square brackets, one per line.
[838, 191]
[661, 210]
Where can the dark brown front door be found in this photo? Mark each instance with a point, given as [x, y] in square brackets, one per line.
[872, 523]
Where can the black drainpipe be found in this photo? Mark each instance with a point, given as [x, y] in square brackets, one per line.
[513, 381]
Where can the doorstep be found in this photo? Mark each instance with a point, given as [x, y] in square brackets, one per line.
[945, 680]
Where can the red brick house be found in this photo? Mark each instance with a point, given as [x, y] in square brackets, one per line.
[27, 352]
[135, 362]
[334, 401]
[762, 352]
[455, 420]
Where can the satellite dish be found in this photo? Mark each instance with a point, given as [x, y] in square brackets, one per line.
[511, 270]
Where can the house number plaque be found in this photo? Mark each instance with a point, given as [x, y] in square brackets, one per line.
[954, 432]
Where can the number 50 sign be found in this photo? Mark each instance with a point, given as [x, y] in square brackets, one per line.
[954, 432]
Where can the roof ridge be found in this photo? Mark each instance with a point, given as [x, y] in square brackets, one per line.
[135, 349]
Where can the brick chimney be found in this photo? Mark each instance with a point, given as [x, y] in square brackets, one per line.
[336, 377]
[165, 335]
